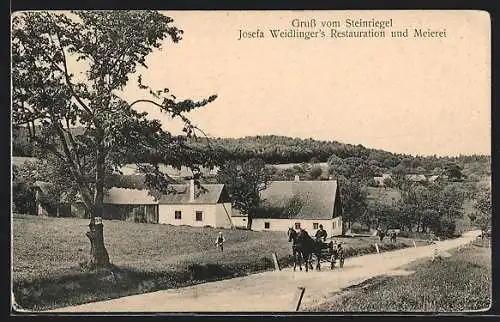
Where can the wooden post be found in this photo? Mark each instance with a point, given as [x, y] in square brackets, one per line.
[414, 244]
[297, 299]
[435, 254]
[376, 246]
[276, 263]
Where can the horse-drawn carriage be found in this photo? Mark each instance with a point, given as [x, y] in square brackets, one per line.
[329, 253]
[307, 249]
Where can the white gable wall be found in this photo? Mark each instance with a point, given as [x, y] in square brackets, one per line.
[214, 215]
[240, 221]
[223, 215]
[166, 215]
[333, 226]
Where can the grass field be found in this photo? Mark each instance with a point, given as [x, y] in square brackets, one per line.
[458, 283]
[146, 257]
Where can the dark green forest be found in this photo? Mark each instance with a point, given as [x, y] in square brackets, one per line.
[274, 149]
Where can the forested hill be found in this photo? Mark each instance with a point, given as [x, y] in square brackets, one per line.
[282, 149]
[275, 149]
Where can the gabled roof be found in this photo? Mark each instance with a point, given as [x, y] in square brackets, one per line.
[124, 196]
[306, 199]
[16, 161]
[236, 213]
[207, 194]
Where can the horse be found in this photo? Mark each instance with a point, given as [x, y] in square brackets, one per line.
[292, 237]
[308, 246]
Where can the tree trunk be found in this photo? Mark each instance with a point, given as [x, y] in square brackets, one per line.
[99, 257]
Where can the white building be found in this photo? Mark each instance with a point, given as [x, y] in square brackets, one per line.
[240, 220]
[300, 204]
[207, 205]
[380, 181]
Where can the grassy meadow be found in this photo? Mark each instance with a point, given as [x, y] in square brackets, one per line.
[146, 257]
[458, 283]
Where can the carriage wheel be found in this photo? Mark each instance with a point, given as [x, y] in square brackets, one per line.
[313, 259]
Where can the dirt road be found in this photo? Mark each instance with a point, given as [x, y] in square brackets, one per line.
[270, 291]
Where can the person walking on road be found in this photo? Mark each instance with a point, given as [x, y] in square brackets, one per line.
[219, 242]
[340, 254]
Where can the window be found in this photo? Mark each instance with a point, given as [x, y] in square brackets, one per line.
[267, 225]
[315, 225]
[178, 214]
[297, 225]
[334, 225]
[199, 216]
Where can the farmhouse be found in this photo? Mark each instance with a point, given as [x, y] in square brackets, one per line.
[300, 204]
[207, 205]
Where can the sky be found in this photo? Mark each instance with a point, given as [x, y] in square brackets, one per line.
[404, 95]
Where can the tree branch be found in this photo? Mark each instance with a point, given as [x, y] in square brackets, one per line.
[146, 101]
[72, 142]
[64, 70]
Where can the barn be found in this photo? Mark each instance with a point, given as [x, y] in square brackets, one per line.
[300, 204]
[130, 205]
[188, 204]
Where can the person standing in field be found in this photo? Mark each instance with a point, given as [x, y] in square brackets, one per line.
[219, 242]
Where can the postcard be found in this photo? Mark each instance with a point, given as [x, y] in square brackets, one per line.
[251, 161]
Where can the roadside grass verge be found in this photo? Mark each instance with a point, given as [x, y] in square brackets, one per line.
[145, 258]
[458, 283]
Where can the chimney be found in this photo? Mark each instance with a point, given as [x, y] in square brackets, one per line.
[191, 190]
[297, 178]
